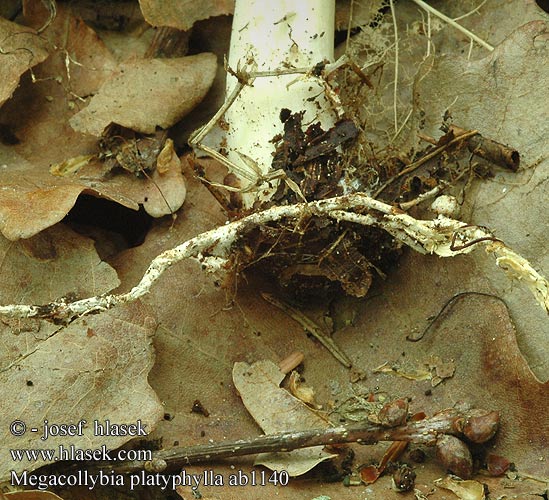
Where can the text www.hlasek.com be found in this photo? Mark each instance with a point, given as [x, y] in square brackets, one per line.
[77, 454]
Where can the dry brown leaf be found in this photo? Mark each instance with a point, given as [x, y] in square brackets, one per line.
[78, 63]
[20, 50]
[32, 199]
[502, 95]
[70, 261]
[148, 93]
[465, 490]
[199, 340]
[182, 14]
[82, 60]
[214, 338]
[166, 193]
[193, 314]
[276, 410]
[94, 369]
[299, 389]
[478, 334]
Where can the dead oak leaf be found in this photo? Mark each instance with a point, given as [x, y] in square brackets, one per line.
[20, 50]
[167, 190]
[276, 410]
[54, 263]
[504, 96]
[80, 57]
[70, 376]
[31, 199]
[64, 374]
[148, 93]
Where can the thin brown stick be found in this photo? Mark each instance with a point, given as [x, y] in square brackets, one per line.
[311, 327]
[425, 432]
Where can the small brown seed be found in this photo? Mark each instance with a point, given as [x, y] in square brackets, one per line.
[497, 465]
[394, 413]
[455, 456]
[480, 425]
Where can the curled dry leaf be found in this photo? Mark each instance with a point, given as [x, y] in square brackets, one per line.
[148, 93]
[466, 490]
[167, 192]
[33, 199]
[80, 57]
[371, 473]
[94, 369]
[21, 49]
[300, 390]
[182, 14]
[276, 410]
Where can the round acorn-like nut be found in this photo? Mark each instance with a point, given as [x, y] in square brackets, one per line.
[455, 456]
[393, 413]
[480, 425]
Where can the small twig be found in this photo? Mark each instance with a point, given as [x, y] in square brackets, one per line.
[291, 362]
[451, 22]
[311, 327]
[424, 432]
[490, 150]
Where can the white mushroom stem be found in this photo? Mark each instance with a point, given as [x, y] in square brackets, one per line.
[273, 36]
[442, 236]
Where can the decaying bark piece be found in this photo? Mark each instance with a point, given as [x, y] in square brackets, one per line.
[490, 150]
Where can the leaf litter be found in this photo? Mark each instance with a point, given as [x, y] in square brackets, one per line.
[80, 65]
[21, 50]
[94, 369]
[476, 332]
